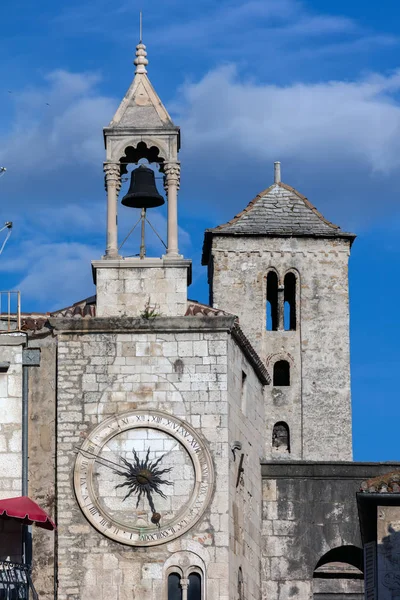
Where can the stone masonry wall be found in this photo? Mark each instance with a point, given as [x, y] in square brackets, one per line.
[317, 404]
[246, 425]
[127, 291]
[42, 423]
[182, 373]
[11, 346]
[308, 510]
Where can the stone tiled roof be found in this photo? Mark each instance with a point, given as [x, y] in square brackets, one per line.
[33, 323]
[83, 309]
[196, 309]
[86, 308]
[383, 484]
[280, 210]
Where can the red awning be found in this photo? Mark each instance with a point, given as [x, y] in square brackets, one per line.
[26, 510]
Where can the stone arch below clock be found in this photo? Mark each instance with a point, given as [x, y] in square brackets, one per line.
[184, 563]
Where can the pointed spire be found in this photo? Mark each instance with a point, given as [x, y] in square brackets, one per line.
[141, 60]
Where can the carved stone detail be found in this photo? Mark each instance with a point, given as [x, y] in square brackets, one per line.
[112, 175]
[172, 172]
[184, 583]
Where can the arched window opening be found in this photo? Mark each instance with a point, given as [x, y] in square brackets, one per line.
[240, 584]
[344, 562]
[289, 312]
[133, 155]
[281, 373]
[194, 588]
[272, 301]
[281, 437]
[174, 587]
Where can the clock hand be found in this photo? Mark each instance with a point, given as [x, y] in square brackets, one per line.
[150, 500]
[156, 517]
[103, 461]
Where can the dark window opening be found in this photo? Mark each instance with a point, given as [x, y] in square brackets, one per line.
[281, 437]
[281, 373]
[240, 585]
[244, 392]
[272, 301]
[343, 562]
[194, 589]
[289, 315]
[174, 587]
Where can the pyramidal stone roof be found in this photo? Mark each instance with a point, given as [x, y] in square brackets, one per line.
[278, 211]
[141, 104]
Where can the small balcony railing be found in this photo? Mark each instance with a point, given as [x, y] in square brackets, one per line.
[10, 311]
[16, 582]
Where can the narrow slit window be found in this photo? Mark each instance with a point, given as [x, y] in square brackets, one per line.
[281, 373]
[174, 587]
[194, 588]
[272, 301]
[289, 313]
[240, 584]
[244, 393]
[281, 437]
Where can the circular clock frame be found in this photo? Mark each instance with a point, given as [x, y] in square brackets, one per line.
[190, 512]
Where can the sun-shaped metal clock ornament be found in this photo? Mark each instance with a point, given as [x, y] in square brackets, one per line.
[143, 478]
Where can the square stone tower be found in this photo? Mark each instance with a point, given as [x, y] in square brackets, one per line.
[141, 129]
[160, 413]
[282, 268]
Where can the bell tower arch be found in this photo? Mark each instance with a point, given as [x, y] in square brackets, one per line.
[141, 129]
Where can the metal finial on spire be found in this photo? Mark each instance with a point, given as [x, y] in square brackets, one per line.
[141, 61]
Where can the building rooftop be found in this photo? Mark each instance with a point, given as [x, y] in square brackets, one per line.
[388, 483]
[281, 211]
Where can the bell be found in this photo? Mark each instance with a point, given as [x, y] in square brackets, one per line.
[142, 192]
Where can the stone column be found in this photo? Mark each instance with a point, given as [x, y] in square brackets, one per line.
[184, 586]
[113, 185]
[281, 306]
[172, 172]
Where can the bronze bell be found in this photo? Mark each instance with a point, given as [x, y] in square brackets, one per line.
[142, 192]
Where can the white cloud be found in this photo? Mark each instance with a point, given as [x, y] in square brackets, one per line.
[338, 131]
[57, 124]
[53, 275]
[333, 121]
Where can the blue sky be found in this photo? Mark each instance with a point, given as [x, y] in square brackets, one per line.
[313, 84]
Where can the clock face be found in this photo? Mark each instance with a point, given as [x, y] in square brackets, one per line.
[143, 478]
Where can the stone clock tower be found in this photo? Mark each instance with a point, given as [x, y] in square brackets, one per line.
[187, 453]
[160, 416]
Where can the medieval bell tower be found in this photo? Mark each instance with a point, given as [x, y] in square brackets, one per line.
[282, 268]
[141, 129]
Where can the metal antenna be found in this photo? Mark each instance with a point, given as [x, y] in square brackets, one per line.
[140, 27]
[8, 224]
